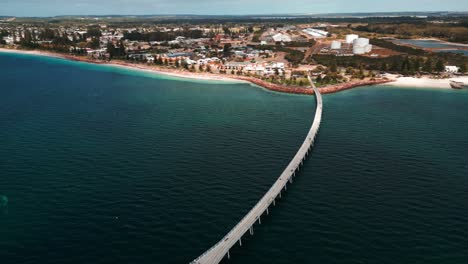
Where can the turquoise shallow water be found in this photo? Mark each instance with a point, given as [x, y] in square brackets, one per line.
[107, 165]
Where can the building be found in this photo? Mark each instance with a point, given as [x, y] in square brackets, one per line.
[280, 37]
[315, 33]
[142, 57]
[451, 69]
[9, 40]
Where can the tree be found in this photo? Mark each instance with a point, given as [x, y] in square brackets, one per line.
[120, 49]
[159, 61]
[185, 65]
[318, 79]
[427, 67]
[462, 68]
[440, 66]
[110, 49]
[94, 44]
[417, 64]
[383, 67]
[405, 66]
[27, 36]
[227, 50]
[93, 31]
[395, 65]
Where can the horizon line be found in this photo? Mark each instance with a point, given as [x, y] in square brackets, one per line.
[239, 15]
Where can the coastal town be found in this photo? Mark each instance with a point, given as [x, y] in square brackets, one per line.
[275, 54]
[234, 132]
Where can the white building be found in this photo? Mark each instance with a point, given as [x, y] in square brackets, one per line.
[315, 33]
[280, 37]
[9, 40]
[451, 69]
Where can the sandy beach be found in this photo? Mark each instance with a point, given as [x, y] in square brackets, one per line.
[141, 67]
[424, 82]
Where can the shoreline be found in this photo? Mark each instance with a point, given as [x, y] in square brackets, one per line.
[138, 67]
[424, 82]
[444, 42]
[393, 80]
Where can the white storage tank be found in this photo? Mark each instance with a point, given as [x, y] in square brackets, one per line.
[351, 37]
[335, 45]
[361, 42]
[359, 50]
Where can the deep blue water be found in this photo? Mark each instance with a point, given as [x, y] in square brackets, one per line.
[106, 165]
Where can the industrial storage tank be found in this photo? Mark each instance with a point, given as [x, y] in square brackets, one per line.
[361, 42]
[351, 37]
[335, 45]
[359, 50]
[361, 46]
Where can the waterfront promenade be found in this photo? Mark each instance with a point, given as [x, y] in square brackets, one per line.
[221, 249]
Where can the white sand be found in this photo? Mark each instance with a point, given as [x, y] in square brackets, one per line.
[424, 82]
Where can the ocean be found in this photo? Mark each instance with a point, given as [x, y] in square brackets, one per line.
[101, 164]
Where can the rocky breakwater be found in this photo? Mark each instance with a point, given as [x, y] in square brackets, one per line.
[307, 90]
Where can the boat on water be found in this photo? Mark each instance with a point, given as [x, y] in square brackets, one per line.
[457, 85]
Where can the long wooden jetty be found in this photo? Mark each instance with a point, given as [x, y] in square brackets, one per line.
[217, 252]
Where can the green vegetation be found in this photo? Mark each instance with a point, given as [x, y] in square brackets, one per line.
[449, 31]
[295, 57]
[162, 36]
[93, 31]
[400, 48]
[403, 64]
[294, 44]
[257, 35]
[116, 51]
[3, 33]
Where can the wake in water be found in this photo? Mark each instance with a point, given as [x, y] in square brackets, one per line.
[3, 204]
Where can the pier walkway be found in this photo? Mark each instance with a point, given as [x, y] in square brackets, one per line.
[221, 249]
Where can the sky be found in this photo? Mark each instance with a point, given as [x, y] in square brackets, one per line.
[218, 7]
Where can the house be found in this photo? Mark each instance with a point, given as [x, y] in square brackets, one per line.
[142, 57]
[9, 40]
[451, 69]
